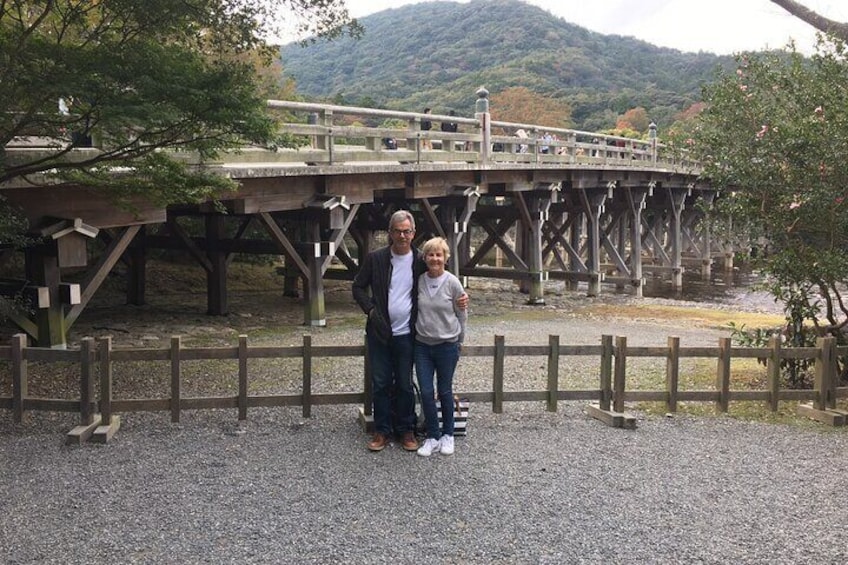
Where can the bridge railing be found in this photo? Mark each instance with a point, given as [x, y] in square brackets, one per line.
[333, 134]
[336, 135]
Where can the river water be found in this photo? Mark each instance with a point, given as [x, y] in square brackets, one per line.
[737, 287]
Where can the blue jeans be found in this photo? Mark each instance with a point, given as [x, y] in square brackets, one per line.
[391, 376]
[440, 359]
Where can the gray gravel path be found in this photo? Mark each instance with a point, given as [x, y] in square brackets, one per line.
[526, 486]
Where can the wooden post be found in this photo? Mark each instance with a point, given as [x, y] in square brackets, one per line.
[672, 373]
[314, 307]
[137, 269]
[19, 377]
[307, 376]
[498, 375]
[620, 373]
[553, 372]
[86, 381]
[242, 387]
[723, 374]
[43, 270]
[636, 203]
[606, 372]
[216, 276]
[108, 424]
[773, 368]
[105, 351]
[825, 368]
[175, 379]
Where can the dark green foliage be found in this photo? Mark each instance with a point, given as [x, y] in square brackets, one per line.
[438, 53]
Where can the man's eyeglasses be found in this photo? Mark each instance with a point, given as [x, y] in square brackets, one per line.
[405, 233]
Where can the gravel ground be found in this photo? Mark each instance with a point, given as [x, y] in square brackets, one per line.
[525, 486]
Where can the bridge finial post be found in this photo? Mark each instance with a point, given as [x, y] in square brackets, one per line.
[481, 113]
[652, 135]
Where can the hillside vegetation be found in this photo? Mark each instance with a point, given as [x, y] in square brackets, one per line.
[438, 53]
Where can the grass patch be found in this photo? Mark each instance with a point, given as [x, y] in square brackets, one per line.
[705, 317]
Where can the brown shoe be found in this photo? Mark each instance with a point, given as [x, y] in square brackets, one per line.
[378, 442]
[409, 442]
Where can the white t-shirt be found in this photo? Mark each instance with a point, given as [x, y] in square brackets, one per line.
[400, 293]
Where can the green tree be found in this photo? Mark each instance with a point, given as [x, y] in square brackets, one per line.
[133, 78]
[774, 133]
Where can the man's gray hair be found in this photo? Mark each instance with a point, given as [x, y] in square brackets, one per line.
[400, 216]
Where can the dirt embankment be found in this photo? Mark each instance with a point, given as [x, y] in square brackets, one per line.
[176, 305]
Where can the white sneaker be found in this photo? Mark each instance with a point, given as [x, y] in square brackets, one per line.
[430, 446]
[446, 445]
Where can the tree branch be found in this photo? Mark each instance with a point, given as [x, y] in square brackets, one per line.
[821, 23]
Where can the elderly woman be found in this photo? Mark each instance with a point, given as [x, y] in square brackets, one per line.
[439, 332]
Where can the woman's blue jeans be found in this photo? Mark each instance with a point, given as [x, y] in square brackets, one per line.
[439, 360]
[391, 374]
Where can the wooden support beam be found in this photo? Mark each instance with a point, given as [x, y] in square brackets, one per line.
[105, 432]
[189, 244]
[217, 299]
[284, 244]
[96, 276]
[830, 417]
[82, 433]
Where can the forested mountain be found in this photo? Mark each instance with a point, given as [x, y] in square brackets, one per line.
[438, 53]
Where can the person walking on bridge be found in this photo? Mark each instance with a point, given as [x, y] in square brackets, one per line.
[386, 288]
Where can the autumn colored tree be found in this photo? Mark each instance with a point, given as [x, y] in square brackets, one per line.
[635, 119]
[775, 134]
[521, 105]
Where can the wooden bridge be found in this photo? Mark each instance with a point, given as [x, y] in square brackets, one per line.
[570, 205]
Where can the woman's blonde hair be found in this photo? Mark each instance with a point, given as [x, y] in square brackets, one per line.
[434, 244]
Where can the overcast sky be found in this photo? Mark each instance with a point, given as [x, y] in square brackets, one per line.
[717, 26]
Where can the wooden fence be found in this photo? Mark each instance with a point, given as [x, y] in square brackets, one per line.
[98, 361]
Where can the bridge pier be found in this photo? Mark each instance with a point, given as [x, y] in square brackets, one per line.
[136, 258]
[676, 199]
[593, 199]
[217, 301]
[533, 207]
[636, 203]
[42, 266]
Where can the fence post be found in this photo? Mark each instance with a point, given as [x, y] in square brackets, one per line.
[86, 381]
[498, 376]
[620, 373]
[20, 388]
[242, 390]
[175, 379]
[672, 373]
[307, 376]
[825, 369]
[773, 369]
[606, 372]
[105, 351]
[553, 372]
[723, 374]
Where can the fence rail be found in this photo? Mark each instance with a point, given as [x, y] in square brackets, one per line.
[97, 403]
